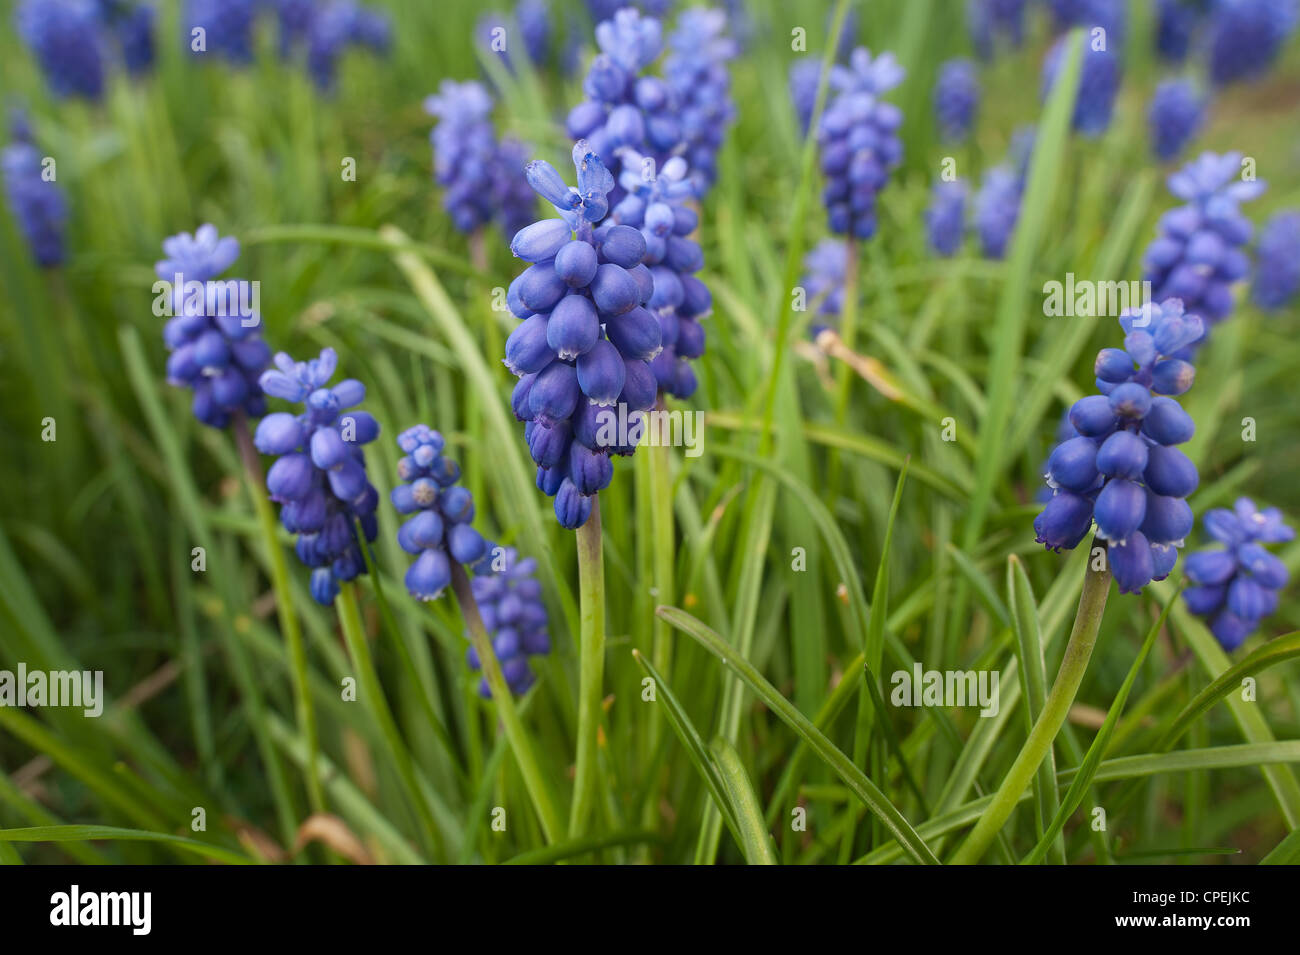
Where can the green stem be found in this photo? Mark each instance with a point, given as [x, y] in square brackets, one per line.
[1083, 637]
[661, 515]
[591, 668]
[535, 782]
[370, 689]
[306, 715]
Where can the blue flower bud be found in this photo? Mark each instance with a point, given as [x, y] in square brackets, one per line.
[540, 287]
[1113, 365]
[519, 398]
[573, 327]
[614, 290]
[1064, 521]
[1263, 566]
[572, 508]
[1092, 416]
[541, 240]
[1168, 520]
[465, 544]
[1120, 509]
[1167, 423]
[457, 505]
[640, 387]
[1122, 455]
[636, 334]
[623, 246]
[1169, 472]
[278, 433]
[554, 394]
[576, 263]
[422, 532]
[1204, 601]
[1209, 568]
[1131, 563]
[548, 446]
[690, 338]
[290, 477]
[327, 449]
[323, 587]
[1248, 599]
[601, 374]
[550, 185]
[1163, 558]
[429, 575]
[1073, 465]
[1172, 376]
[1130, 400]
[549, 480]
[527, 350]
[590, 471]
[1230, 630]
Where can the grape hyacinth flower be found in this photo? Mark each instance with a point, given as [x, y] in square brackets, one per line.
[805, 76]
[658, 208]
[826, 268]
[294, 18]
[480, 177]
[535, 28]
[625, 109]
[509, 599]
[1198, 254]
[131, 25]
[1176, 113]
[858, 140]
[956, 99]
[1098, 83]
[227, 27]
[991, 21]
[439, 530]
[320, 475]
[36, 203]
[1246, 37]
[997, 208]
[334, 28]
[1176, 22]
[945, 219]
[695, 69]
[1277, 270]
[1237, 586]
[1107, 14]
[66, 38]
[1121, 467]
[583, 348]
[214, 337]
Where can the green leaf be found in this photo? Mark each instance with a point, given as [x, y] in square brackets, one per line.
[88, 833]
[754, 837]
[864, 788]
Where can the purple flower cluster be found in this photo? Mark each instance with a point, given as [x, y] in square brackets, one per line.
[1099, 80]
[214, 334]
[826, 268]
[1277, 269]
[1002, 187]
[585, 341]
[480, 175]
[320, 476]
[1121, 467]
[624, 109]
[1176, 23]
[956, 99]
[805, 76]
[657, 206]
[1198, 254]
[695, 69]
[858, 140]
[945, 219]
[1237, 586]
[509, 600]
[1176, 113]
[336, 27]
[439, 530]
[994, 21]
[227, 27]
[37, 204]
[1246, 37]
[67, 39]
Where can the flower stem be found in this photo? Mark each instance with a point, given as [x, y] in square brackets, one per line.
[552, 827]
[591, 667]
[305, 714]
[1083, 637]
[370, 689]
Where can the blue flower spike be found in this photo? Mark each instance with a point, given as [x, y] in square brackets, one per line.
[1116, 462]
[1237, 585]
[319, 477]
